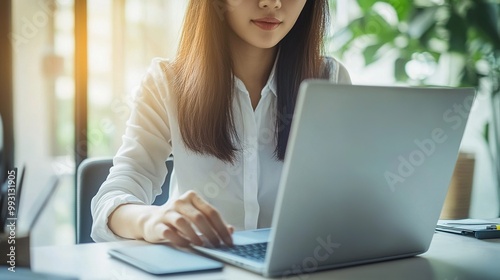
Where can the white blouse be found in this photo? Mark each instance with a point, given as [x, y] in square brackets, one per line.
[243, 193]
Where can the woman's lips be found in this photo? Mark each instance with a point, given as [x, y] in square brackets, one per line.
[267, 23]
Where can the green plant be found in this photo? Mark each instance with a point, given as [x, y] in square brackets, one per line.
[427, 34]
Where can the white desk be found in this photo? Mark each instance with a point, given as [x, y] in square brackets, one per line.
[450, 257]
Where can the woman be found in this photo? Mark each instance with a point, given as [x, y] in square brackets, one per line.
[223, 108]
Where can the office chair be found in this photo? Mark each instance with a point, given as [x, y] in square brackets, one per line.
[91, 174]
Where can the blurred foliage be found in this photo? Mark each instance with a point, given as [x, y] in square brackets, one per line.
[424, 30]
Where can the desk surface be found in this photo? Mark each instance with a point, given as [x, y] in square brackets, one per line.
[450, 257]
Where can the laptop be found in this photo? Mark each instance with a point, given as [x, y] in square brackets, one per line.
[364, 179]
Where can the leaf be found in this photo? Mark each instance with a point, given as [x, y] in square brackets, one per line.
[370, 53]
[485, 16]
[421, 21]
[373, 23]
[403, 8]
[469, 79]
[400, 70]
[486, 133]
[356, 27]
[458, 33]
[428, 34]
[366, 5]
[496, 90]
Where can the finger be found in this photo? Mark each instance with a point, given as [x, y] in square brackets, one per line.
[230, 228]
[200, 221]
[166, 233]
[214, 218]
[182, 226]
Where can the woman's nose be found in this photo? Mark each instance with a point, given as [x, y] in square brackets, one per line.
[274, 4]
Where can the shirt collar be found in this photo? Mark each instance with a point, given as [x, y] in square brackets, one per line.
[271, 83]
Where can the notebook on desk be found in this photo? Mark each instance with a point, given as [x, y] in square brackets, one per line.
[480, 229]
[361, 162]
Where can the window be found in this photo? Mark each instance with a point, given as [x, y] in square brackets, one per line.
[123, 37]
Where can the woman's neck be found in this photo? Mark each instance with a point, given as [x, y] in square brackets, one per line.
[251, 65]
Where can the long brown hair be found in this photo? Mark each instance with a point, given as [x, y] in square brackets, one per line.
[204, 82]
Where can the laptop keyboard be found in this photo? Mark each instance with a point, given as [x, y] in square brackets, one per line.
[256, 251]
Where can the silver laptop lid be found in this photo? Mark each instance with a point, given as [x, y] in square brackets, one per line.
[365, 174]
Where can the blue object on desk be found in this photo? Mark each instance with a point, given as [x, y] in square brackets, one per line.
[162, 259]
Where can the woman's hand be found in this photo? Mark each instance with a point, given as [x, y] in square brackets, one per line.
[177, 220]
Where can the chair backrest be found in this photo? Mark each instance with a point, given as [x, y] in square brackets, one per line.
[92, 172]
